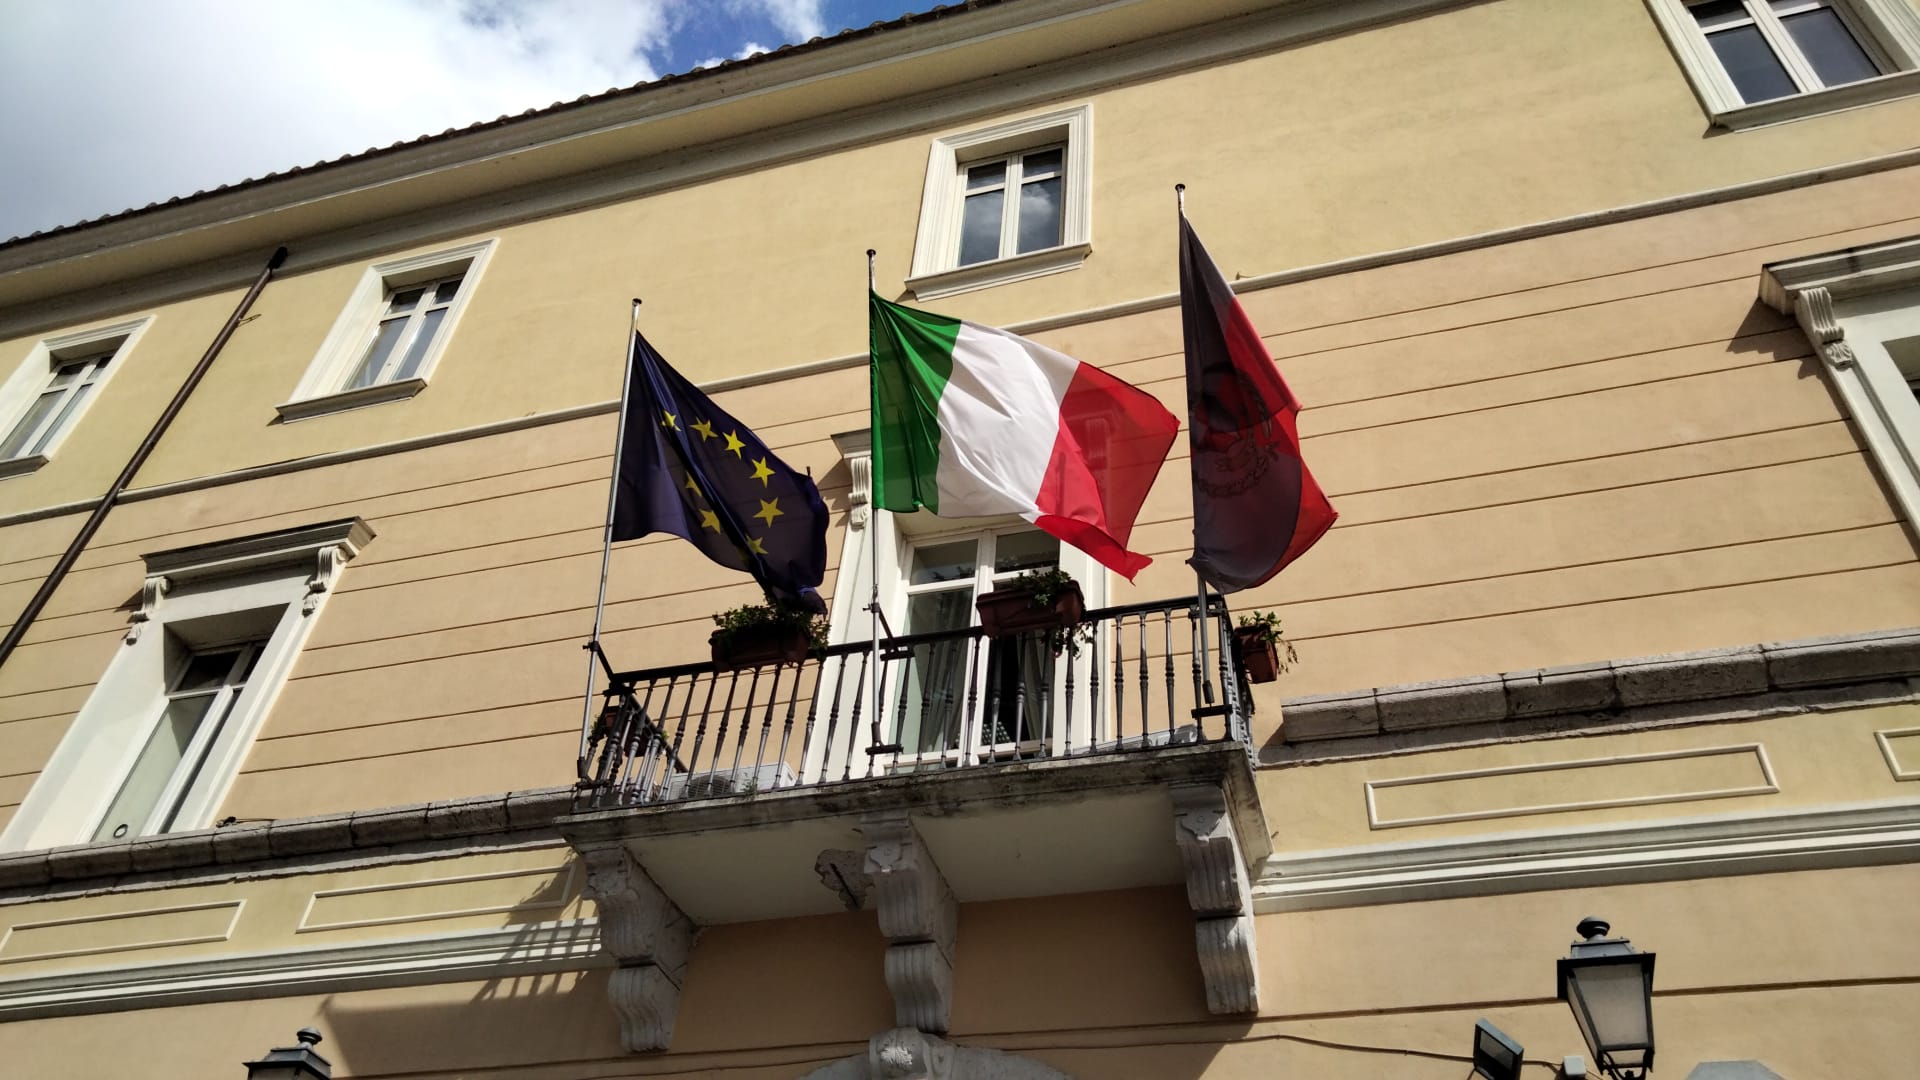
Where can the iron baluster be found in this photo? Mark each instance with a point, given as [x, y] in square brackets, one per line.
[833, 716]
[700, 735]
[766, 722]
[746, 719]
[853, 719]
[793, 705]
[1146, 683]
[1166, 635]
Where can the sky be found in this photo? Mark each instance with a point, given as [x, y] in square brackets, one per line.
[107, 105]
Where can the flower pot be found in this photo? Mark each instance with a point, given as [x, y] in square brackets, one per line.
[752, 646]
[1253, 648]
[1005, 612]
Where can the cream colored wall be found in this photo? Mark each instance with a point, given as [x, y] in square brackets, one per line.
[1775, 766]
[1798, 970]
[1569, 449]
[1505, 113]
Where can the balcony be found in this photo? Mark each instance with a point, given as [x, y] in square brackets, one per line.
[934, 770]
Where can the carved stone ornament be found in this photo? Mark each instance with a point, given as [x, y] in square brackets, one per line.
[906, 1054]
[1814, 310]
[649, 936]
[860, 499]
[1220, 891]
[152, 592]
[918, 915]
[330, 560]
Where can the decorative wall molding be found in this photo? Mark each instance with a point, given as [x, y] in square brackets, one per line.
[221, 917]
[1868, 834]
[1768, 784]
[909, 1054]
[457, 957]
[1218, 889]
[567, 873]
[648, 936]
[918, 915]
[1885, 739]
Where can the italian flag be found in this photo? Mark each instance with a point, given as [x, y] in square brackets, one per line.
[970, 421]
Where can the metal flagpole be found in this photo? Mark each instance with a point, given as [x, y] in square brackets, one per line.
[594, 655]
[873, 540]
[1200, 580]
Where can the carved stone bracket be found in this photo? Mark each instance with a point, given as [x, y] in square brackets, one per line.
[650, 937]
[152, 592]
[329, 562]
[918, 915]
[1219, 888]
[856, 449]
[1814, 309]
[908, 1054]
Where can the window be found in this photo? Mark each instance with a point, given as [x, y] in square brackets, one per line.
[1760, 61]
[50, 391]
[188, 719]
[392, 333]
[1013, 688]
[1773, 48]
[163, 734]
[994, 226]
[1004, 204]
[1861, 309]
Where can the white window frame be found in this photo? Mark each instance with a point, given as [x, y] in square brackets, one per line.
[895, 535]
[269, 587]
[30, 377]
[1851, 303]
[321, 388]
[936, 250]
[1889, 30]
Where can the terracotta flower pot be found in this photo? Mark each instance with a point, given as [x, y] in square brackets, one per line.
[752, 646]
[1005, 612]
[1253, 647]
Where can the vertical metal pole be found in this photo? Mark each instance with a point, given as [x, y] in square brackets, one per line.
[606, 543]
[1200, 582]
[873, 522]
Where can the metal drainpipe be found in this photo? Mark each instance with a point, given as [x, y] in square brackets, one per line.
[140, 455]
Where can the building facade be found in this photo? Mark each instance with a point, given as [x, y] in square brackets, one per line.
[1605, 315]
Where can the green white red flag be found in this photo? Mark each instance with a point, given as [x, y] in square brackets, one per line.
[971, 421]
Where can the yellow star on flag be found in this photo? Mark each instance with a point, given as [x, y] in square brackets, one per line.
[671, 421]
[754, 545]
[760, 471]
[693, 487]
[705, 428]
[734, 444]
[710, 520]
[769, 511]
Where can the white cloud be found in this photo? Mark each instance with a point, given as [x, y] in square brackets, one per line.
[107, 104]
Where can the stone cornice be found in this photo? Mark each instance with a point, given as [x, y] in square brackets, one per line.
[1784, 677]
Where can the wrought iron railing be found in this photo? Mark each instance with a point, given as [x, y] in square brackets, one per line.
[1127, 678]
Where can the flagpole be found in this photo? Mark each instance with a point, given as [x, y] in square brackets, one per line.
[873, 544]
[594, 655]
[1199, 579]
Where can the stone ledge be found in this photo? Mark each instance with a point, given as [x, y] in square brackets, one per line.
[1753, 679]
[25, 872]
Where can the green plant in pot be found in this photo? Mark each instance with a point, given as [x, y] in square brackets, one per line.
[758, 634]
[1263, 652]
[1036, 600]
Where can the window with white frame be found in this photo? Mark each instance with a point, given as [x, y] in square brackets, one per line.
[1005, 203]
[1758, 61]
[160, 739]
[48, 393]
[1013, 689]
[1861, 310]
[392, 332]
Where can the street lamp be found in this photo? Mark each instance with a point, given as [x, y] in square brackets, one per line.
[1609, 987]
[1495, 1055]
[293, 1062]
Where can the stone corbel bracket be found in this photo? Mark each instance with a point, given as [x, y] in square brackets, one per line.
[919, 917]
[152, 591]
[1220, 890]
[856, 448]
[648, 935]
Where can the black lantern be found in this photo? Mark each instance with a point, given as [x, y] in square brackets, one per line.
[1609, 987]
[1495, 1055]
[293, 1062]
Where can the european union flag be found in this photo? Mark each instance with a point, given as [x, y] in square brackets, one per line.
[689, 469]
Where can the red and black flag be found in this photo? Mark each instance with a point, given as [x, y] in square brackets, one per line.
[1256, 508]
